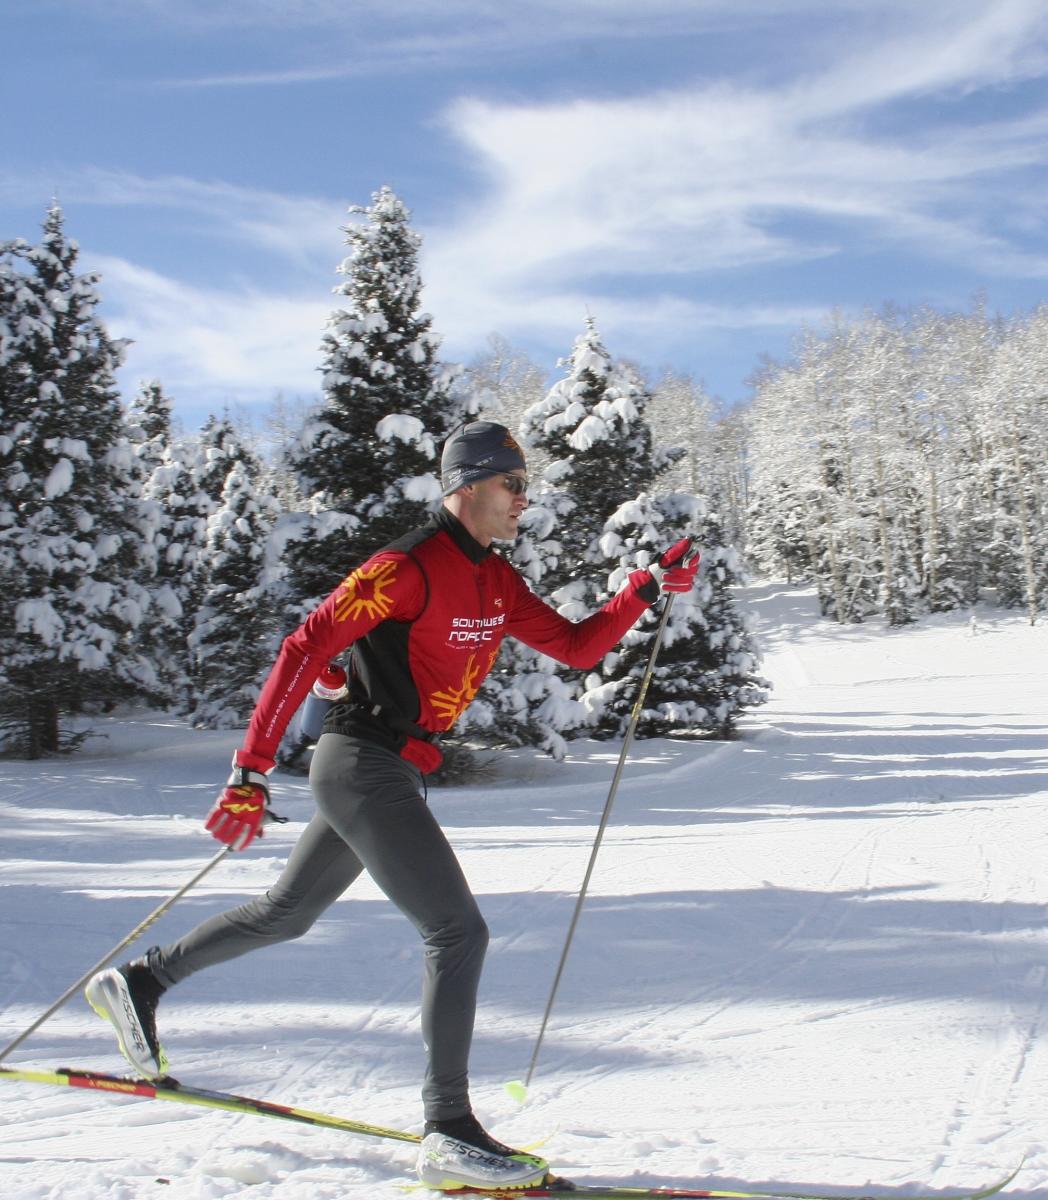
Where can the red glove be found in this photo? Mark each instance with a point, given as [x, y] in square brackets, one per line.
[677, 567]
[237, 815]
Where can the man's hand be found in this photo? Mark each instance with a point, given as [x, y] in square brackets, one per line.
[237, 815]
[677, 567]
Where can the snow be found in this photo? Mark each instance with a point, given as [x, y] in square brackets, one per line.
[39, 618]
[425, 489]
[813, 956]
[402, 427]
[591, 431]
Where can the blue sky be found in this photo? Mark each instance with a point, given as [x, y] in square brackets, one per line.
[703, 177]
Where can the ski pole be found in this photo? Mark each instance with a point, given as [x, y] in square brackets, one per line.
[627, 741]
[138, 930]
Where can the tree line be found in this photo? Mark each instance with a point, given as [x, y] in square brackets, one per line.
[141, 566]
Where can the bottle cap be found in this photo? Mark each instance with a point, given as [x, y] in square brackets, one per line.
[331, 683]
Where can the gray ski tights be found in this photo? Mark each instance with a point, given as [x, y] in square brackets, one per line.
[370, 816]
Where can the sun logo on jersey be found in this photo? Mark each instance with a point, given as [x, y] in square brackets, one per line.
[365, 592]
[451, 703]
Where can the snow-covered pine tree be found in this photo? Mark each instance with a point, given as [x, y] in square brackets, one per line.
[71, 566]
[149, 426]
[235, 632]
[187, 488]
[594, 426]
[220, 446]
[722, 659]
[592, 430]
[596, 450]
[149, 419]
[181, 510]
[592, 520]
[705, 673]
[368, 461]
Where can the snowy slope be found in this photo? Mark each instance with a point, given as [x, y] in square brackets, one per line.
[815, 956]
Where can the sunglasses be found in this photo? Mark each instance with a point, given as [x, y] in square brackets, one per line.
[516, 484]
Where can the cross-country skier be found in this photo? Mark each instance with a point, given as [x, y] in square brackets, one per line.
[424, 618]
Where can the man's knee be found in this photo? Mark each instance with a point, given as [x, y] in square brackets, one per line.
[276, 920]
[465, 933]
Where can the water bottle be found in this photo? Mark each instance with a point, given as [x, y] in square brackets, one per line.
[329, 687]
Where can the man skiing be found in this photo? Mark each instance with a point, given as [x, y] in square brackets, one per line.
[424, 618]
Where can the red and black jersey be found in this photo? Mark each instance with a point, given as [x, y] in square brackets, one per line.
[425, 618]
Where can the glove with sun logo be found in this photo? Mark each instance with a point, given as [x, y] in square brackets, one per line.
[237, 816]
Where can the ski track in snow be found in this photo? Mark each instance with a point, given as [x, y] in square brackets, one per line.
[811, 957]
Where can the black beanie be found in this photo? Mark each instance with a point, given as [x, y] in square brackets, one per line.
[476, 451]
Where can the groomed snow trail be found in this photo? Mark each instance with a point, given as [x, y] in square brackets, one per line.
[814, 956]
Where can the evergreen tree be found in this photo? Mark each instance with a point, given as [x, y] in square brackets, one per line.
[219, 447]
[368, 460]
[587, 430]
[149, 421]
[234, 638]
[149, 424]
[71, 566]
[578, 543]
[187, 487]
[705, 673]
[174, 494]
[591, 429]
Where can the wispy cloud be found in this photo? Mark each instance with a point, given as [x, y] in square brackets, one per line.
[638, 208]
[536, 19]
[939, 48]
[698, 181]
[294, 227]
[326, 40]
[219, 347]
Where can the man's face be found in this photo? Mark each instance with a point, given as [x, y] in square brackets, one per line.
[493, 508]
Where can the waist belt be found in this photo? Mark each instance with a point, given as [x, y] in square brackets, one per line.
[400, 723]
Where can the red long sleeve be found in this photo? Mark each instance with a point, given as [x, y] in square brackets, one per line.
[425, 618]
